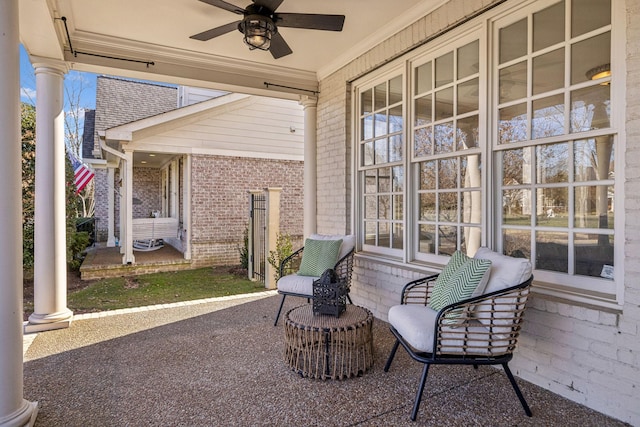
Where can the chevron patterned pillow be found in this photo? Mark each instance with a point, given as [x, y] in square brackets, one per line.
[319, 255]
[460, 285]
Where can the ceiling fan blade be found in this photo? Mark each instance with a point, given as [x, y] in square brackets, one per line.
[215, 32]
[224, 5]
[310, 20]
[272, 5]
[279, 47]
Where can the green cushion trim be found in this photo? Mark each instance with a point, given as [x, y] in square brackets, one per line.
[318, 256]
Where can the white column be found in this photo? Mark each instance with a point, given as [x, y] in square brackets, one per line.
[126, 209]
[186, 206]
[272, 223]
[310, 164]
[50, 240]
[111, 229]
[14, 409]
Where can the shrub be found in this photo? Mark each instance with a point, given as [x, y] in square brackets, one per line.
[244, 249]
[284, 248]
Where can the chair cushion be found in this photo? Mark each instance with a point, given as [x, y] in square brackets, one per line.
[318, 256]
[348, 242]
[296, 284]
[415, 323]
[459, 284]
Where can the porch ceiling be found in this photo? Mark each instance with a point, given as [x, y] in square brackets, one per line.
[158, 31]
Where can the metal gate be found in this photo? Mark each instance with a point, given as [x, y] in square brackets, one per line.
[257, 236]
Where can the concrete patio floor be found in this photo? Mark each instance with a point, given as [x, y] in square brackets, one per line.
[220, 362]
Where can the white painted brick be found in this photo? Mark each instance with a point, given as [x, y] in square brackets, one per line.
[595, 332]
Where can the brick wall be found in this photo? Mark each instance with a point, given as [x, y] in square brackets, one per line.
[146, 192]
[220, 202]
[590, 355]
[101, 204]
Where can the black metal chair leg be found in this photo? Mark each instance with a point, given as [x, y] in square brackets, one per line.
[279, 310]
[391, 356]
[423, 380]
[349, 298]
[517, 389]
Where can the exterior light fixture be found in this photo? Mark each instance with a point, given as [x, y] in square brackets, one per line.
[599, 72]
[257, 30]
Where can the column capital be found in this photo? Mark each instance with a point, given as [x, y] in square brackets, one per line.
[41, 64]
[308, 101]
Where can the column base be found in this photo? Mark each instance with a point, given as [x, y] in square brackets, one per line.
[48, 322]
[23, 417]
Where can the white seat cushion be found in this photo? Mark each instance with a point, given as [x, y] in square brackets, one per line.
[348, 242]
[415, 323]
[296, 284]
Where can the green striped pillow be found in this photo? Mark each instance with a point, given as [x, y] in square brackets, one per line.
[459, 285]
[319, 255]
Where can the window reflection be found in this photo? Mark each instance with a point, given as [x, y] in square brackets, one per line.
[512, 126]
[548, 117]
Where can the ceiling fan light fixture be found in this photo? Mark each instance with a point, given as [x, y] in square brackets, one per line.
[599, 72]
[257, 30]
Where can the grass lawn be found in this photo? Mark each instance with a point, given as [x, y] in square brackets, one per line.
[157, 288]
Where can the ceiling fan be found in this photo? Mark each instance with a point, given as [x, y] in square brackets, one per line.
[260, 24]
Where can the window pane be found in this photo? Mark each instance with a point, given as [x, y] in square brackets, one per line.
[396, 123]
[516, 166]
[513, 82]
[367, 153]
[594, 207]
[423, 78]
[422, 111]
[398, 238]
[470, 171]
[548, 117]
[470, 240]
[366, 101]
[395, 148]
[395, 90]
[553, 163]
[444, 69]
[590, 108]
[513, 41]
[370, 207]
[590, 54]
[548, 71]
[428, 175]
[397, 208]
[552, 251]
[553, 205]
[548, 26]
[381, 151]
[468, 60]
[471, 207]
[516, 207]
[467, 134]
[428, 207]
[594, 255]
[448, 207]
[370, 181]
[422, 142]
[517, 243]
[367, 127]
[380, 96]
[398, 178]
[443, 138]
[384, 178]
[444, 104]
[380, 126]
[384, 207]
[426, 243]
[384, 234]
[370, 230]
[447, 173]
[447, 240]
[467, 97]
[587, 15]
[513, 124]
[594, 159]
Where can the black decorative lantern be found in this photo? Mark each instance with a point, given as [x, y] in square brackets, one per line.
[329, 294]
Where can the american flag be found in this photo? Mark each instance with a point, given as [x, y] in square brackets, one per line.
[81, 172]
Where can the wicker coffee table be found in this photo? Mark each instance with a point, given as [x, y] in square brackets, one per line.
[324, 346]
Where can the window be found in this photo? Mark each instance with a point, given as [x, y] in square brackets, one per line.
[506, 133]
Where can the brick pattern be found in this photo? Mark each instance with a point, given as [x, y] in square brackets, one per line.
[147, 191]
[101, 214]
[220, 187]
[586, 354]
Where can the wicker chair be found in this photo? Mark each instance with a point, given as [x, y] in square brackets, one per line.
[483, 331]
[290, 284]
